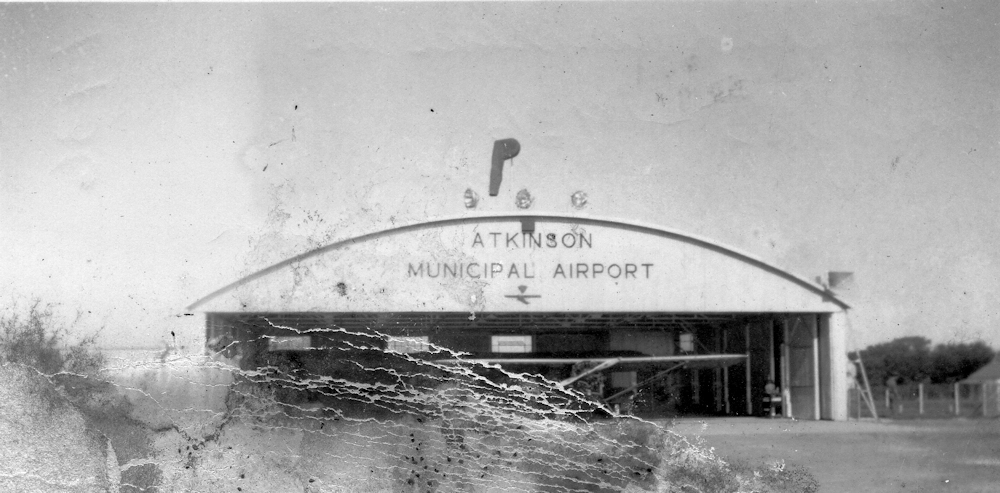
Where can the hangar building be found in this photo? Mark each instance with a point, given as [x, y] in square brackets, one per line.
[680, 324]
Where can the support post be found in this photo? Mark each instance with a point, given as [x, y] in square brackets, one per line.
[725, 375]
[985, 413]
[835, 347]
[957, 400]
[858, 391]
[770, 353]
[815, 365]
[920, 398]
[746, 336]
[786, 372]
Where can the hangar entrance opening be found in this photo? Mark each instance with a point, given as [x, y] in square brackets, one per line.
[647, 364]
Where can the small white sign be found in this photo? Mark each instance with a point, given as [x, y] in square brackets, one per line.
[511, 344]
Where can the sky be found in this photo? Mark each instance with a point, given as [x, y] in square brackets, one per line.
[152, 153]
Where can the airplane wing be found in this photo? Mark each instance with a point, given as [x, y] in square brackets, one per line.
[695, 361]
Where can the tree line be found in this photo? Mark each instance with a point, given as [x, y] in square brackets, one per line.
[914, 359]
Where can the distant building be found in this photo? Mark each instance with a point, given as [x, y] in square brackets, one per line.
[987, 382]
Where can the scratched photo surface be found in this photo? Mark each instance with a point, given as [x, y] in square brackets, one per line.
[484, 247]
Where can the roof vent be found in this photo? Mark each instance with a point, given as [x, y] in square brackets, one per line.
[841, 280]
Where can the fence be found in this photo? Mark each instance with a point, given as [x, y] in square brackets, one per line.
[916, 401]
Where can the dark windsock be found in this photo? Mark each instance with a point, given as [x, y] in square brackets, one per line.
[502, 150]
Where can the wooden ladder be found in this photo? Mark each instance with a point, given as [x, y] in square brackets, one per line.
[866, 391]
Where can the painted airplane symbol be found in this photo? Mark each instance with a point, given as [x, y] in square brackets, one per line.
[523, 298]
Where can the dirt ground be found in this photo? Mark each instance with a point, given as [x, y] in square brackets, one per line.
[961, 455]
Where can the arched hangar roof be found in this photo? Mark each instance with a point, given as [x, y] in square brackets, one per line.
[522, 262]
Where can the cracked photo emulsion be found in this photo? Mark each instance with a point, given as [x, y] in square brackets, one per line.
[497, 247]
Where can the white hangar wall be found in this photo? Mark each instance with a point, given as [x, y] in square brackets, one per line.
[564, 264]
[490, 263]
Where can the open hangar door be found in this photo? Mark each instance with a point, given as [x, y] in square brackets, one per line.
[678, 323]
[651, 365]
